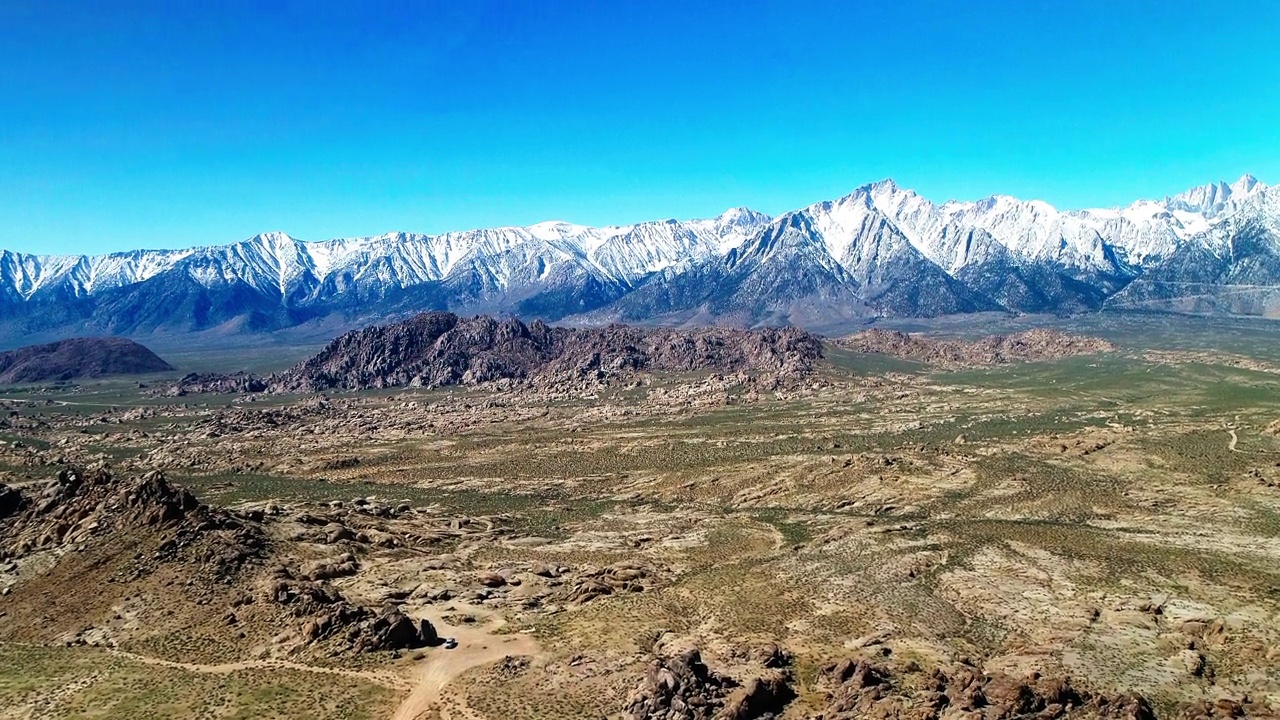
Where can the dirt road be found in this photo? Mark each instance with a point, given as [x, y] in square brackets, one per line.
[477, 646]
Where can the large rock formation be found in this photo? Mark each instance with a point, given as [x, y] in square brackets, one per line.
[78, 358]
[435, 349]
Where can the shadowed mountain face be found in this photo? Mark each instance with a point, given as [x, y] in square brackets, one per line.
[78, 358]
[881, 251]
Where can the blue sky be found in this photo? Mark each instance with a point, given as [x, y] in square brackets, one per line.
[164, 124]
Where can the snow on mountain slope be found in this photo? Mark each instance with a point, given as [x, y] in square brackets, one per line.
[881, 250]
[1232, 267]
[1257, 215]
[276, 263]
[1215, 199]
[1035, 231]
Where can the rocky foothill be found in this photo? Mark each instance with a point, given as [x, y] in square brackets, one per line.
[859, 689]
[437, 349]
[1028, 346]
[683, 687]
[338, 577]
[78, 506]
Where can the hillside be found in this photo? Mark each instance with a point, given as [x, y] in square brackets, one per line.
[78, 358]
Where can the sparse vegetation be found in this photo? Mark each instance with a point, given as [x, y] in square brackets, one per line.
[1091, 517]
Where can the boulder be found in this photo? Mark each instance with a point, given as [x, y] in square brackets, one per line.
[11, 501]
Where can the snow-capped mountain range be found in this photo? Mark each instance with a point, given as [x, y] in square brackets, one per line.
[882, 250]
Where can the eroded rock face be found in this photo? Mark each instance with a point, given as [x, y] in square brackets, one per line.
[858, 689]
[1030, 345]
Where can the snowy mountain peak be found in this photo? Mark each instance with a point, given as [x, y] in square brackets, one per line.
[1216, 199]
[740, 215]
[556, 229]
[1245, 185]
[881, 243]
[274, 236]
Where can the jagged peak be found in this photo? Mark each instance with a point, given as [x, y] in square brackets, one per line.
[737, 214]
[1215, 197]
[885, 184]
[1246, 184]
[272, 236]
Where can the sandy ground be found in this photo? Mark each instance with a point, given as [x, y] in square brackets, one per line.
[477, 647]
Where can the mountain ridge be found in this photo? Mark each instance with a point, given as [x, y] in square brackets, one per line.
[880, 251]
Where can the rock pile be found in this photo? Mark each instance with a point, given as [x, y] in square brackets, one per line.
[620, 578]
[134, 527]
[79, 504]
[684, 688]
[239, 383]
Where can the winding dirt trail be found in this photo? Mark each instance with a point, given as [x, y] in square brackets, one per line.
[384, 679]
[477, 646]
[1234, 439]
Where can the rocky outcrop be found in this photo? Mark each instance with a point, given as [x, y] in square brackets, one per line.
[328, 615]
[684, 688]
[81, 506]
[679, 687]
[234, 384]
[1027, 346]
[623, 577]
[393, 630]
[858, 689]
[78, 358]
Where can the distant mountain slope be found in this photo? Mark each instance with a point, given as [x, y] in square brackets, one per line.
[1233, 267]
[78, 358]
[881, 251]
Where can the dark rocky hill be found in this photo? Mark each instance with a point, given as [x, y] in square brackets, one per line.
[438, 348]
[78, 358]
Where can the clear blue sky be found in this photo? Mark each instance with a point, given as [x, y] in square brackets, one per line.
[164, 124]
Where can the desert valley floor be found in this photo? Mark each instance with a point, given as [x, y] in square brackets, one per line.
[1084, 536]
